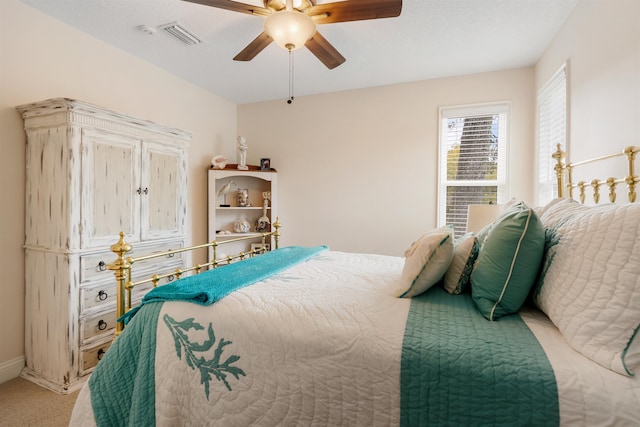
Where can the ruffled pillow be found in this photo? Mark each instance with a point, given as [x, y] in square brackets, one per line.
[458, 275]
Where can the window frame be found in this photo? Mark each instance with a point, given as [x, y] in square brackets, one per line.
[501, 108]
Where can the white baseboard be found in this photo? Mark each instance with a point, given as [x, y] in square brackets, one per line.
[11, 369]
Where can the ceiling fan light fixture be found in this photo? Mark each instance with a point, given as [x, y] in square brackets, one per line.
[290, 29]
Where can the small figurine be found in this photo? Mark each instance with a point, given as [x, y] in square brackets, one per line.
[243, 197]
[219, 161]
[223, 192]
[263, 223]
[242, 147]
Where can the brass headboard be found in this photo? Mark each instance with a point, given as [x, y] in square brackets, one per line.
[631, 179]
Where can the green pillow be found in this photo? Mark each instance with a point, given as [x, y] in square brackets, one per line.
[484, 232]
[508, 262]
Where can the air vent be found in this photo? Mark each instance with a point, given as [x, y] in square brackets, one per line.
[180, 33]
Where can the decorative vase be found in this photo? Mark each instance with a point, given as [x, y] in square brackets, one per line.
[242, 226]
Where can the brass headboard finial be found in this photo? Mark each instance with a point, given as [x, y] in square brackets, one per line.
[121, 247]
[581, 187]
[558, 155]
[611, 182]
[631, 184]
[595, 184]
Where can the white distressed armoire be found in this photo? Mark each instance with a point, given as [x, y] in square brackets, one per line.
[91, 173]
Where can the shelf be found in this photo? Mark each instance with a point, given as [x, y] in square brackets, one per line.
[234, 235]
[234, 167]
[240, 207]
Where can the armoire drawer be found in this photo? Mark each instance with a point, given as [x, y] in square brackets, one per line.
[90, 357]
[99, 296]
[92, 328]
[94, 266]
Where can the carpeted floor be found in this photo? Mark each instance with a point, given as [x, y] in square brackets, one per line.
[23, 403]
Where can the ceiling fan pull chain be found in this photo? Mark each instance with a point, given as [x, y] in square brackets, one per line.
[290, 100]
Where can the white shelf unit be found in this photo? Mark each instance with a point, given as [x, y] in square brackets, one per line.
[223, 218]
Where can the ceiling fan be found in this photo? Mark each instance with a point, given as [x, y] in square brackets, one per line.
[292, 23]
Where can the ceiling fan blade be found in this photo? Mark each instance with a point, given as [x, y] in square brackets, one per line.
[234, 6]
[254, 48]
[324, 51]
[354, 10]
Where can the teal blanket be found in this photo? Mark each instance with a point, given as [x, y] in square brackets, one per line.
[123, 384]
[213, 285]
[458, 369]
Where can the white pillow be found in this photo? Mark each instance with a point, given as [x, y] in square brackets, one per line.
[458, 275]
[426, 261]
[540, 210]
[590, 280]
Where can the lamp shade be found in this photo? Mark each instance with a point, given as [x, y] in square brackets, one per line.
[480, 215]
[290, 29]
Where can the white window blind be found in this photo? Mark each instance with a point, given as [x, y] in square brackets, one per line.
[473, 152]
[552, 130]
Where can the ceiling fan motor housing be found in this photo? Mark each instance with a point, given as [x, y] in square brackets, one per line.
[290, 29]
[299, 5]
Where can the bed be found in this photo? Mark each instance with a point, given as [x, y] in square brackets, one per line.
[532, 321]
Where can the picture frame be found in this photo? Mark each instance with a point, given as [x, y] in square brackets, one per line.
[265, 163]
[258, 246]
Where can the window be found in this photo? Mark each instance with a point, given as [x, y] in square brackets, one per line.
[552, 130]
[473, 159]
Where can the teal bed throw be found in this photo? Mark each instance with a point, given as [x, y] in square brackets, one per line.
[213, 285]
[123, 383]
[458, 369]
[129, 364]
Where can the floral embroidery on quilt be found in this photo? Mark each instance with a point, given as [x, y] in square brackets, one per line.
[207, 367]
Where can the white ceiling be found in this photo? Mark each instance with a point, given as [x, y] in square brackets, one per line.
[430, 39]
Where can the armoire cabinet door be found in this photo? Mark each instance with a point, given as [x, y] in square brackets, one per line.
[110, 183]
[164, 201]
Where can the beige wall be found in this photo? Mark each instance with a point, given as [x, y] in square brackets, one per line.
[41, 58]
[601, 41]
[358, 169]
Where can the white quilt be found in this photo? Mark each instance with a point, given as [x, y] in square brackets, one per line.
[351, 364]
